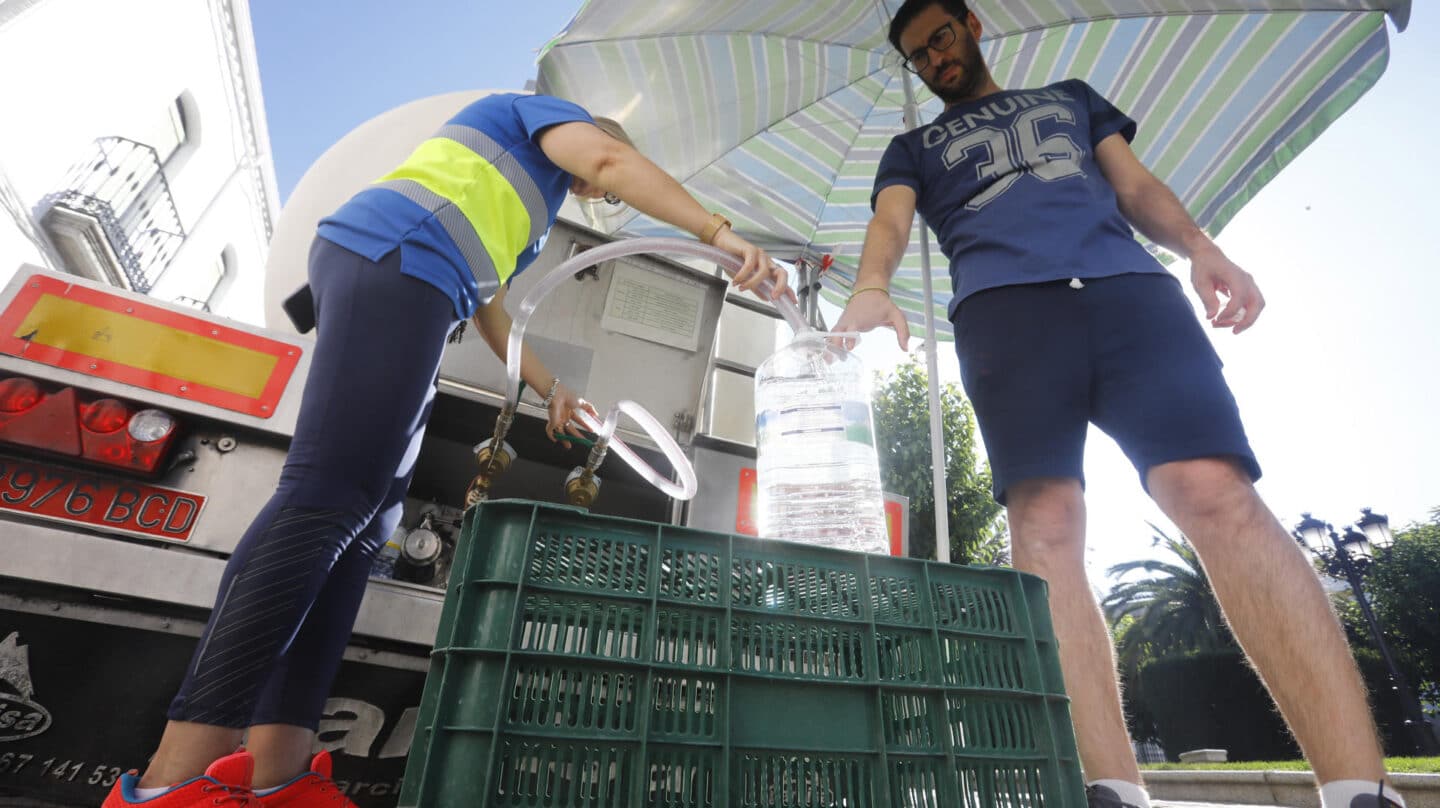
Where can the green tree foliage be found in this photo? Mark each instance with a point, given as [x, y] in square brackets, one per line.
[1214, 700]
[1385, 703]
[1174, 609]
[1403, 585]
[902, 436]
[1172, 612]
[1138, 718]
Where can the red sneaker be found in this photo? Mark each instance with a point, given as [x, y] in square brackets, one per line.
[309, 789]
[226, 782]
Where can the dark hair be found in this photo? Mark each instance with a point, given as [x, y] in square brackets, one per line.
[910, 9]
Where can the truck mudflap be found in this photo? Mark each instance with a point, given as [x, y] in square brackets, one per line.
[84, 688]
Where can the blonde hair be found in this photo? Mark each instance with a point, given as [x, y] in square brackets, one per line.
[612, 127]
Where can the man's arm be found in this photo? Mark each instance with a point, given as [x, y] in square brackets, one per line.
[1156, 212]
[886, 238]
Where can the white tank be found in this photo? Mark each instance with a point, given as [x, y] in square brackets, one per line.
[367, 153]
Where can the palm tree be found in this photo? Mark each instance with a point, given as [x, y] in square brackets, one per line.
[1172, 612]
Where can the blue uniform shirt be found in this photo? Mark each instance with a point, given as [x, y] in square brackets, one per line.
[377, 221]
[1010, 186]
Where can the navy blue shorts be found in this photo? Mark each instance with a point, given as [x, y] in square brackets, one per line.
[1040, 362]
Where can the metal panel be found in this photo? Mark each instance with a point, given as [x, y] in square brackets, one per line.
[91, 680]
[731, 415]
[717, 466]
[603, 365]
[748, 335]
[288, 406]
[112, 615]
[237, 470]
[391, 610]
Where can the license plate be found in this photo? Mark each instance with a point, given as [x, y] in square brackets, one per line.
[42, 491]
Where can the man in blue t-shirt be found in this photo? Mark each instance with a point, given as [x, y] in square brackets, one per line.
[1062, 319]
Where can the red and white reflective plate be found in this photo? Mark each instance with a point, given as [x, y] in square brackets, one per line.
[114, 505]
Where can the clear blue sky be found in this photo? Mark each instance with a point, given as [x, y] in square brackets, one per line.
[1338, 382]
[324, 71]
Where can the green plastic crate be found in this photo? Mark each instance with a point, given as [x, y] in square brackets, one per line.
[593, 662]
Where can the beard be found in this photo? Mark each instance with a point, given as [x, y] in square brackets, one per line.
[972, 72]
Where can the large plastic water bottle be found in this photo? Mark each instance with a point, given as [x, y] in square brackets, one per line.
[819, 476]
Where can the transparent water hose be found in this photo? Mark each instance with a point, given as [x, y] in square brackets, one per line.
[605, 431]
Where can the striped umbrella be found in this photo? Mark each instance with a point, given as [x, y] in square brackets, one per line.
[777, 111]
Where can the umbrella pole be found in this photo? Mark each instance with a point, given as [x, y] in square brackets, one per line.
[937, 438]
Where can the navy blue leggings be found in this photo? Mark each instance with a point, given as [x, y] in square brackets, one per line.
[292, 588]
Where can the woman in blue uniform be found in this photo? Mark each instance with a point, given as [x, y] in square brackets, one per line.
[392, 273]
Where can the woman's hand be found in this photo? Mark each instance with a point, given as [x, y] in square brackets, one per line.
[561, 420]
[757, 267]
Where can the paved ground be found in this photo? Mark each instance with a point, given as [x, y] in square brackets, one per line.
[1174, 804]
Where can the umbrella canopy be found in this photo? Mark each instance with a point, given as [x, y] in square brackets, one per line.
[777, 111]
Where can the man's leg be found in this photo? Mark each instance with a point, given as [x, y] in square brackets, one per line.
[1047, 533]
[1273, 600]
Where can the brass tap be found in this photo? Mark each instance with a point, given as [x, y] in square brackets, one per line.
[582, 487]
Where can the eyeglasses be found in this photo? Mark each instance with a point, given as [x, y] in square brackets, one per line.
[919, 61]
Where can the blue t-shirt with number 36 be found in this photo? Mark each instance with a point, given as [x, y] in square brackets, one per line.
[1010, 186]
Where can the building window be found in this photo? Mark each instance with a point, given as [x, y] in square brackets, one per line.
[176, 134]
[215, 273]
[169, 133]
[204, 288]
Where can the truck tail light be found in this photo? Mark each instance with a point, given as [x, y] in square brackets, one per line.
[18, 394]
[150, 432]
[101, 430]
[104, 416]
[149, 426]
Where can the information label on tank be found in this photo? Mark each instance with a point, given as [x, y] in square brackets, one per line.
[654, 307]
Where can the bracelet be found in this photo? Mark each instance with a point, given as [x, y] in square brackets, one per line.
[712, 228]
[867, 289]
[550, 396]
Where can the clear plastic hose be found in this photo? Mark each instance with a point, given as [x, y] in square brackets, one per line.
[687, 485]
[605, 431]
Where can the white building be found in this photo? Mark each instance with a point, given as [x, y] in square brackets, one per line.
[134, 149]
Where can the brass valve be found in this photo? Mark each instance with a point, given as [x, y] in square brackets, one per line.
[478, 492]
[493, 463]
[501, 459]
[582, 487]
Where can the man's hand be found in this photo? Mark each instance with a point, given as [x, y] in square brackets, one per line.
[1212, 275]
[869, 309]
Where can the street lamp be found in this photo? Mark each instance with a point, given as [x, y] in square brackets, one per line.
[1353, 552]
[1376, 527]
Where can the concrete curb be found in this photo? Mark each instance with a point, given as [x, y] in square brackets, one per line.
[1289, 789]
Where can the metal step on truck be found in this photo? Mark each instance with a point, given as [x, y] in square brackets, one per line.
[139, 438]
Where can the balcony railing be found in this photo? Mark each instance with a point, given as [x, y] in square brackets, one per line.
[114, 218]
